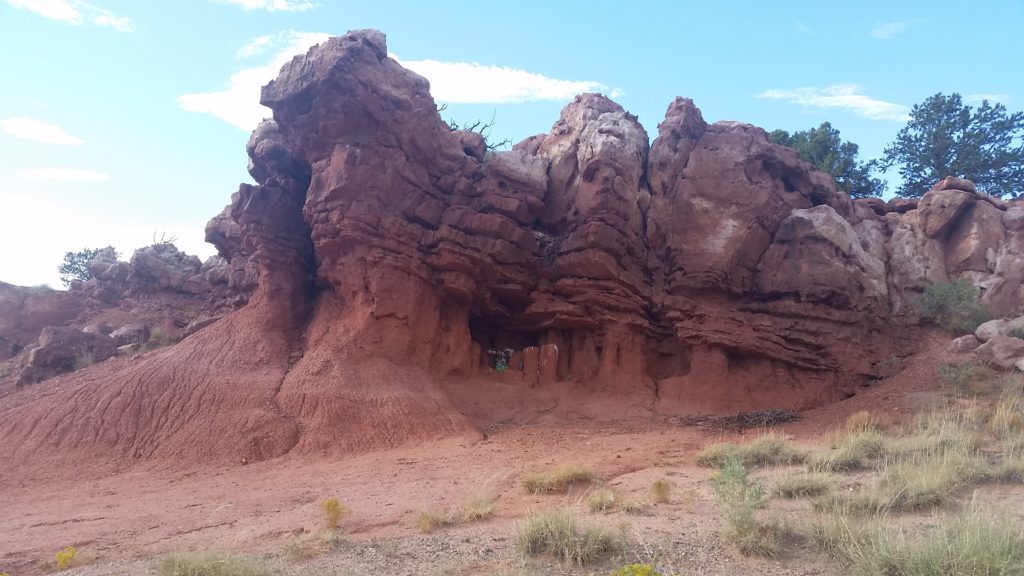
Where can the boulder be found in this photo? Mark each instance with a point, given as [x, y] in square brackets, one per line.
[134, 333]
[1003, 352]
[62, 349]
[998, 327]
[164, 267]
[940, 208]
[954, 183]
[964, 344]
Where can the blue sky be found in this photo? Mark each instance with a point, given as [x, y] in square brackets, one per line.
[124, 121]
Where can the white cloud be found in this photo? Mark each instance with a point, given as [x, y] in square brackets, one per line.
[473, 83]
[74, 12]
[36, 130]
[65, 175]
[62, 10]
[256, 46]
[239, 103]
[452, 82]
[885, 30]
[843, 96]
[992, 98]
[110, 21]
[273, 5]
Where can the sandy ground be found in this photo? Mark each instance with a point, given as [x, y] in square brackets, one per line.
[130, 518]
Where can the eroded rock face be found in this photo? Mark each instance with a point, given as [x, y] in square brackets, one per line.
[390, 260]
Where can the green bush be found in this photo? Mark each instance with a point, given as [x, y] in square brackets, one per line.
[739, 498]
[954, 306]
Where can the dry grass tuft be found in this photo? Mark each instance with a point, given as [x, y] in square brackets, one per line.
[975, 542]
[661, 491]
[804, 486]
[429, 520]
[559, 533]
[209, 564]
[601, 500]
[855, 449]
[768, 450]
[634, 507]
[558, 480]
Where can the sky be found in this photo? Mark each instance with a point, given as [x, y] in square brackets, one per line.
[124, 122]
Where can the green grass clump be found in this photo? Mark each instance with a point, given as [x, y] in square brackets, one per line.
[558, 480]
[559, 533]
[661, 491]
[803, 486]
[429, 520]
[954, 306]
[209, 564]
[601, 500]
[973, 543]
[768, 450]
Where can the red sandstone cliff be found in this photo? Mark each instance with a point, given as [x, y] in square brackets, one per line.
[709, 271]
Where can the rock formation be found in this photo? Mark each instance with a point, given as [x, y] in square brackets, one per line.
[390, 260]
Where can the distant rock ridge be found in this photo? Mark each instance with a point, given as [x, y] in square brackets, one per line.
[390, 261]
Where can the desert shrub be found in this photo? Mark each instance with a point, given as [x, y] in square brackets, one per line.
[429, 520]
[65, 557]
[803, 486]
[635, 570]
[739, 498]
[559, 533]
[209, 564]
[334, 512]
[5, 371]
[661, 491]
[558, 480]
[974, 542]
[957, 375]
[601, 500]
[768, 450]
[1017, 332]
[954, 306]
